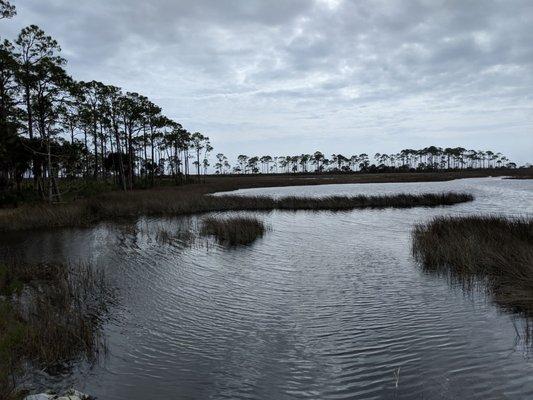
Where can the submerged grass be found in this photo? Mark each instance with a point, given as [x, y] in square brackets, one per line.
[233, 231]
[50, 314]
[495, 251]
[116, 205]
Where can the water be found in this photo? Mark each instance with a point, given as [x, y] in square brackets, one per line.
[325, 306]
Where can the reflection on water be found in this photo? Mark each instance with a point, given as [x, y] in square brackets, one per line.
[325, 306]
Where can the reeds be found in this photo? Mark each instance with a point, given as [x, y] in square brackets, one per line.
[49, 316]
[495, 251]
[338, 203]
[163, 236]
[233, 231]
[520, 177]
[118, 205]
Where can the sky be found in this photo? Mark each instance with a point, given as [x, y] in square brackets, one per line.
[285, 77]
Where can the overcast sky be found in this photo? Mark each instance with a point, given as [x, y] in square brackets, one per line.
[293, 76]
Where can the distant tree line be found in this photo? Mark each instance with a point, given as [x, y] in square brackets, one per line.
[427, 159]
[53, 126]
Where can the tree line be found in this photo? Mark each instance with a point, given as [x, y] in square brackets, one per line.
[53, 126]
[430, 158]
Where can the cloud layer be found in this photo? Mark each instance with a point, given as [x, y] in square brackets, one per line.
[282, 77]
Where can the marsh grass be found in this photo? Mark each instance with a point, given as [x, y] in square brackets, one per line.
[233, 230]
[493, 251]
[50, 315]
[116, 206]
[520, 177]
[339, 203]
[164, 236]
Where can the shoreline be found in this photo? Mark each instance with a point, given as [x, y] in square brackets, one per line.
[119, 206]
[228, 183]
[191, 198]
[236, 191]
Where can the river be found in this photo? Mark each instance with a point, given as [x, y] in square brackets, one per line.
[327, 305]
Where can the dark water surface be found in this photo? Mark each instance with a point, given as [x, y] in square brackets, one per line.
[325, 306]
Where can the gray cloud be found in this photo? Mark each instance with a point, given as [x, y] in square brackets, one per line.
[344, 74]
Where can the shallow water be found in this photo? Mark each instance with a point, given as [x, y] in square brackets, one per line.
[325, 306]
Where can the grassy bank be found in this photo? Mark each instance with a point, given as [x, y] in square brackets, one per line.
[234, 182]
[117, 205]
[233, 231]
[521, 177]
[74, 190]
[494, 251]
[89, 206]
[49, 315]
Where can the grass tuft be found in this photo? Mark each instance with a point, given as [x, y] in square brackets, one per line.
[233, 231]
[495, 251]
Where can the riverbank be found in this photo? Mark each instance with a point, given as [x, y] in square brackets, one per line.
[220, 183]
[120, 205]
[494, 251]
[189, 199]
[75, 190]
[112, 204]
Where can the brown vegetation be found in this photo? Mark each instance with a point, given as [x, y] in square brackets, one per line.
[233, 231]
[116, 205]
[494, 251]
[520, 177]
[49, 315]
[233, 182]
[113, 204]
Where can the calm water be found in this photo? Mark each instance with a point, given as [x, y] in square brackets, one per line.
[325, 306]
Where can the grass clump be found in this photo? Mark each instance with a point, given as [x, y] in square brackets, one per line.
[496, 251]
[233, 231]
[50, 314]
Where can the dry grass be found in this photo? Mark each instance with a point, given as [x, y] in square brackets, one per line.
[495, 251]
[520, 177]
[118, 205]
[233, 231]
[336, 203]
[233, 182]
[163, 236]
[49, 316]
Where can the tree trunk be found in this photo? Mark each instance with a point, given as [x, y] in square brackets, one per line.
[198, 165]
[95, 133]
[120, 162]
[152, 170]
[130, 156]
[86, 151]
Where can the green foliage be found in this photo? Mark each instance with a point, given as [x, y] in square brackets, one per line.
[7, 10]
[41, 106]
